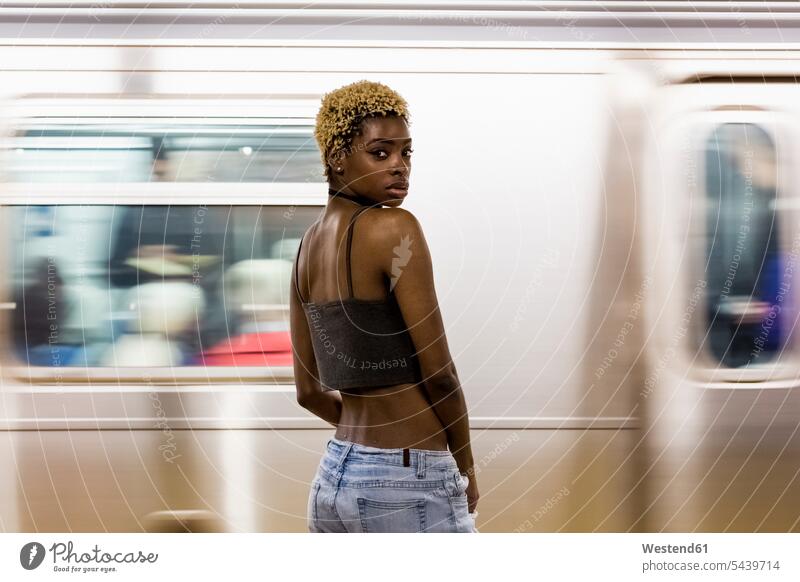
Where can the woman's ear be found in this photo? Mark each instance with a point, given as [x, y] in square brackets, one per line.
[336, 162]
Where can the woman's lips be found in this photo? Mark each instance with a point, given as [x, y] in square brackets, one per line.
[398, 191]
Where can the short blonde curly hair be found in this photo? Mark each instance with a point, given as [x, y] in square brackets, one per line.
[343, 110]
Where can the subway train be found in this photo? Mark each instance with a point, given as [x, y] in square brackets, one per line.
[606, 188]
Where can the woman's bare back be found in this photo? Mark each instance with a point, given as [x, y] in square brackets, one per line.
[398, 416]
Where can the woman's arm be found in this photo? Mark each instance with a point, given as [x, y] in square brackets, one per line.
[411, 272]
[326, 405]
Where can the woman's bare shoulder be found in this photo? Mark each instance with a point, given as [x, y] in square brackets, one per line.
[393, 232]
[390, 222]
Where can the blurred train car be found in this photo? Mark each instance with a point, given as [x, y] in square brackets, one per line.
[606, 189]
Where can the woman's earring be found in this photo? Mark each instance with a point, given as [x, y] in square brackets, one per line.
[338, 169]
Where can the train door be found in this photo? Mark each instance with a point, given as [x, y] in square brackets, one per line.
[149, 245]
[720, 240]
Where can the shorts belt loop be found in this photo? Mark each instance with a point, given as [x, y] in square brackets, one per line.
[420, 464]
[341, 461]
[406, 458]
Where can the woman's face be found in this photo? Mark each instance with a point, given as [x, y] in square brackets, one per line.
[378, 164]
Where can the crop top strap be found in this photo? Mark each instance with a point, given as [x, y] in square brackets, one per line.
[297, 269]
[350, 229]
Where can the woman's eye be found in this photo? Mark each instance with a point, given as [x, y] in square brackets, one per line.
[382, 155]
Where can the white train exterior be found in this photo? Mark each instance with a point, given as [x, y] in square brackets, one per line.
[561, 173]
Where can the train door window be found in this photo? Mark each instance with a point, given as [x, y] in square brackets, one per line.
[154, 285]
[118, 286]
[113, 152]
[744, 325]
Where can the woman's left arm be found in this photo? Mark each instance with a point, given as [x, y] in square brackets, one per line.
[326, 405]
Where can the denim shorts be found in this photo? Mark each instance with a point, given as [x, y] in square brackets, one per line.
[361, 489]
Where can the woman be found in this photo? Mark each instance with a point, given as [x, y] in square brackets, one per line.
[371, 357]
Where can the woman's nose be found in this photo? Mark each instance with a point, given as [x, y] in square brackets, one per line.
[402, 164]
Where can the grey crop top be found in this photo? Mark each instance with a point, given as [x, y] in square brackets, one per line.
[359, 344]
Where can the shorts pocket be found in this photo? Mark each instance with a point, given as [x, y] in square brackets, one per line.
[404, 516]
[312, 507]
[462, 522]
[463, 483]
[456, 485]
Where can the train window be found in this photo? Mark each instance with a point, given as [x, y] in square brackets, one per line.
[170, 285]
[113, 152]
[744, 324]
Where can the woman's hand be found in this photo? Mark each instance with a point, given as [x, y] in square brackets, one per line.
[472, 492]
